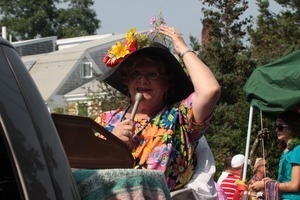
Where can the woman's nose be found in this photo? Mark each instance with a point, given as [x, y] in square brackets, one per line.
[143, 79]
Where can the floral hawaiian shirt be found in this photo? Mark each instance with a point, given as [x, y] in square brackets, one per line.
[166, 142]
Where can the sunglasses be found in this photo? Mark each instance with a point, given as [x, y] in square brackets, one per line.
[148, 75]
[280, 127]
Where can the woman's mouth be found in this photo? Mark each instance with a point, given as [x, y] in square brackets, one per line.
[143, 89]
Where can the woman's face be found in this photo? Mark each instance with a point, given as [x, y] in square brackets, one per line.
[148, 80]
[263, 168]
[282, 130]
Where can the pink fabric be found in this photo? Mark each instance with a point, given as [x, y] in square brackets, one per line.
[220, 192]
[271, 190]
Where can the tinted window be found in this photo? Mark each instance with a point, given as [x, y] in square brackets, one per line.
[8, 184]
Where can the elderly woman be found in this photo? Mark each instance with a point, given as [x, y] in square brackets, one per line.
[174, 110]
[288, 184]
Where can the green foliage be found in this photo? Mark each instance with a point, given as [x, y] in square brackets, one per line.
[107, 97]
[59, 110]
[224, 50]
[28, 19]
[71, 23]
[276, 35]
[82, 109]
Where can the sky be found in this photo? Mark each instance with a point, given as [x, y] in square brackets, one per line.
[118, 16]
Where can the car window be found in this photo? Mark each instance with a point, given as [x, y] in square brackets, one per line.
[8, 183]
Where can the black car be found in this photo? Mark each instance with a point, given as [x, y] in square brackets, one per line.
[33, 163]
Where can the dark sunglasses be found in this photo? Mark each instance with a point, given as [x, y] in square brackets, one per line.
[148, 75]
[280, 127]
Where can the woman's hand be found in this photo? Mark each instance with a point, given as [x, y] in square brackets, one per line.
[207, 88]
[178, 41]
[259, 185]
[124, 131]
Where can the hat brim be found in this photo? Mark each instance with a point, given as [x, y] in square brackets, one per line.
[182, 86]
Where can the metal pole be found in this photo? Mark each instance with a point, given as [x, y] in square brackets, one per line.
[248, 142]
[4, 32]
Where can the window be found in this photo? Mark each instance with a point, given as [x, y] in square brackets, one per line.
[8, 183]
[86, 70]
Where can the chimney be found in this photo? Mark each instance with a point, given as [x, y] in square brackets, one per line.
[4, 32]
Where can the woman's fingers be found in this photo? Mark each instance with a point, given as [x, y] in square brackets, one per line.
[124, 130]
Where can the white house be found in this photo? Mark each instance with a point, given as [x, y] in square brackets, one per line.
[60, 74]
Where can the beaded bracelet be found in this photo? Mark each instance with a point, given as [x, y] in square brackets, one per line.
[185, 52]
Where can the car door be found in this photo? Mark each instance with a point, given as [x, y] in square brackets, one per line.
[33, 164]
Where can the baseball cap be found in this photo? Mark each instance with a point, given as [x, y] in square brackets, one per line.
[237, 160]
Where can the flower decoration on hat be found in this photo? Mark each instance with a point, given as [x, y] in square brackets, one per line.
[133, 42]
[155, 23]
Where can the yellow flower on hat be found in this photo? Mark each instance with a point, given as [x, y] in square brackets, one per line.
[130, 35]
[121, 49]
[133, 42]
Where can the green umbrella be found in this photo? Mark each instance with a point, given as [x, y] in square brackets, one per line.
[275, 87]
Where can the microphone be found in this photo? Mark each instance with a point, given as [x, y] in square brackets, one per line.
[138, 98]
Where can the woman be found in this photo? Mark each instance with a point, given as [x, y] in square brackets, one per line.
[288, 132]
[260, 170]
[174, 111]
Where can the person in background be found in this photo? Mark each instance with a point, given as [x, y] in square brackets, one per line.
[288, 182]
[174, 111]
[227, 169]
[229, 185]
[260, 171]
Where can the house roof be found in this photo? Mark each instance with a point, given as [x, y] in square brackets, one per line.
[50, 71]
[71, 42]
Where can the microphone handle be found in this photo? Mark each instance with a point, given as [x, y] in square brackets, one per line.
[134, 109]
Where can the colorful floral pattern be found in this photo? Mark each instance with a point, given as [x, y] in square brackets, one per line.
[166, 143]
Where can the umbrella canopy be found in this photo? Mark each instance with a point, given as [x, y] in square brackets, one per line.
[275, 87]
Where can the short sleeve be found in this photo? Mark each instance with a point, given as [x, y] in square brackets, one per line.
[295, 158]
[187, 105]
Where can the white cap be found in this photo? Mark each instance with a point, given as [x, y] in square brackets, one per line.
[237, 160]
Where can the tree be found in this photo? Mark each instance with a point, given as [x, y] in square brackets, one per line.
[28, 19]
[276, 35]
[224, 51]
[71, 23]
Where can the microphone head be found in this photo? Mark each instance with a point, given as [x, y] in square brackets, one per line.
[138, 96]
